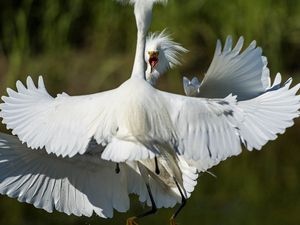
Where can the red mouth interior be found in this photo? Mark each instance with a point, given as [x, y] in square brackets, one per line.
[153, 61]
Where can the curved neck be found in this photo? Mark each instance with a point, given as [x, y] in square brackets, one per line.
[139, 62]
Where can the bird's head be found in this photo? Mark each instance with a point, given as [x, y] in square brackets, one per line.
[161, 54]
[153, 59]
[143, 12]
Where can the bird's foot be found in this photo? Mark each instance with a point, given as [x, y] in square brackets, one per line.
[131, 221]
[172, 221]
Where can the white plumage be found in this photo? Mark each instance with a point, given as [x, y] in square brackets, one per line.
[82, 184]
[258, 112]
[233, 71]
[168, 57]
[79, 139]
[200, 129]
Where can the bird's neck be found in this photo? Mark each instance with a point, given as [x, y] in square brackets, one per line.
[139, 62]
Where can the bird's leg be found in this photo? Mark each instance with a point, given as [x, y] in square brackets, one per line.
[117, 168]
[183, 203]
[156, 166]
[131, 220]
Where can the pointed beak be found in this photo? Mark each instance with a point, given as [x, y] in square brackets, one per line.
[153, 59]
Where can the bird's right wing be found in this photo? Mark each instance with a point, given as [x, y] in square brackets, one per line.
[64, 125]
[269, 114]
[211, 130]
[231, 71]
[207, 129]
[80, 185]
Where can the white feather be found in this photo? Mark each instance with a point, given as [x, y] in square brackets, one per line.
[80, 185]
[269, 114]
[199, 131]
[231, 71]
[169, 54]
[204, 130]
[210, 130]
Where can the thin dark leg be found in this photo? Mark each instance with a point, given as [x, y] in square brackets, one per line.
[153, 209]
[183, 203]
[156, 166]
[131, 220]
[117, 168]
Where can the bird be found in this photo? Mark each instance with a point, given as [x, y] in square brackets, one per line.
[125, 138]
[161, 48]
[229, 70]
[226, 73]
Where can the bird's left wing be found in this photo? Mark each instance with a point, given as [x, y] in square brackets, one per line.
[207, 129]
[81, 185]
[64, 125]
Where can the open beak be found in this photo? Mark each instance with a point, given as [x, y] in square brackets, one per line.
[153, 59]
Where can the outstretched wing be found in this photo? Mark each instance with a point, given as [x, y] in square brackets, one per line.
[80, 185]
[207, 129]
[63, 125]
[269, 114]
[231, 71]
[210, 130]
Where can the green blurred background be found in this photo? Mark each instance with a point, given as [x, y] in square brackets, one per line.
[86, 46]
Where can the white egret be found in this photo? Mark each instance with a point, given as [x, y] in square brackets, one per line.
[161, 54]
[244, 74]
[136, 125]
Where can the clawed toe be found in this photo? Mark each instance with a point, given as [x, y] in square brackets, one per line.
[131, 221]
[172, 221]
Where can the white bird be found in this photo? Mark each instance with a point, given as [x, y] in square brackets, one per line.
[79, 140]
[246, 75]
[161, 48]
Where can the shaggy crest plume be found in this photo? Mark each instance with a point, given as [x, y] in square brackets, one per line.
[171, 49]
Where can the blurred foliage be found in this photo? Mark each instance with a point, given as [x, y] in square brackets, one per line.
[85, 46]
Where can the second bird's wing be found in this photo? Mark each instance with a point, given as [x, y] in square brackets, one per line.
[80, 185]
[231, 71]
